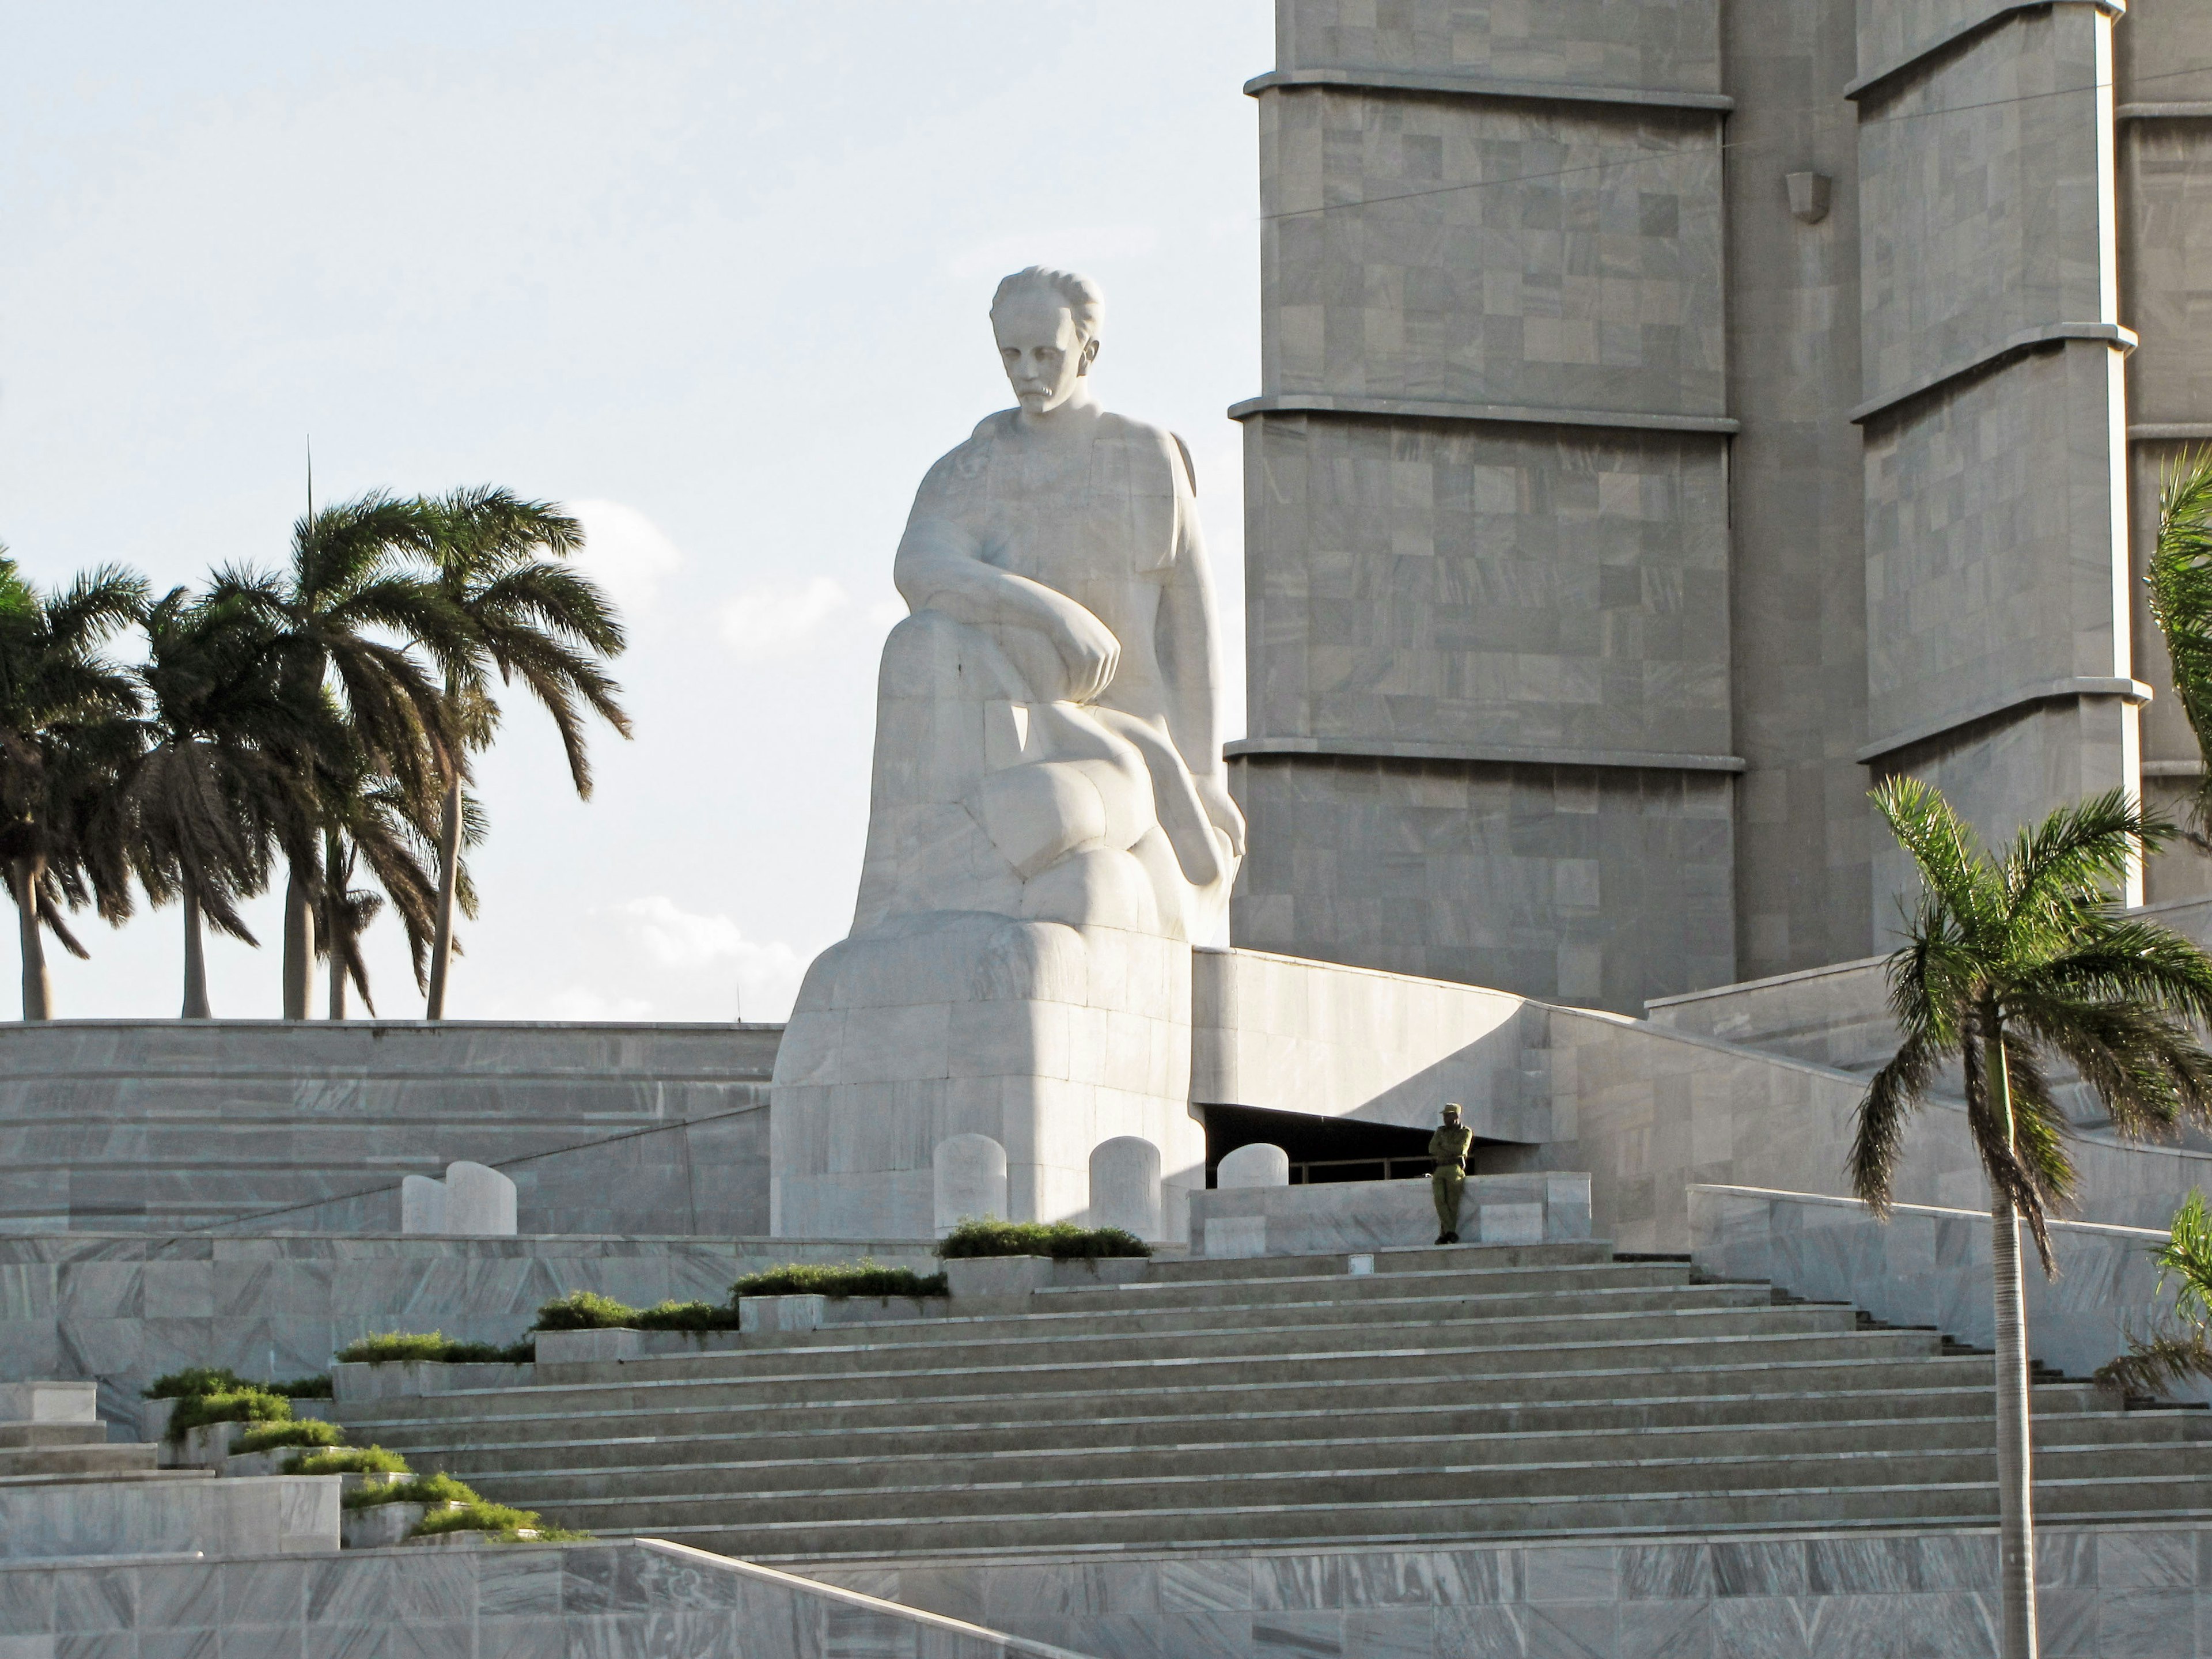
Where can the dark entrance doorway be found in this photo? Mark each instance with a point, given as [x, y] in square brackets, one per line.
[1324, 1148]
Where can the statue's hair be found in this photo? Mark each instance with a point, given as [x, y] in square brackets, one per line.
[1085, 299]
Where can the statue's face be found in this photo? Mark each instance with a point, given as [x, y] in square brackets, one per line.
[1045, 357]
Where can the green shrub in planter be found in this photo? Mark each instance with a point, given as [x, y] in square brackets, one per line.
[1061, 1240]
[431, 1489]
[305, 1431]
[499, 1521]
[584, 1310]
[246, 1404]
[302, 1388]
[346, 1460]
[686, 1316]
[195, 1379]
[386, 1347]
[862, 1277]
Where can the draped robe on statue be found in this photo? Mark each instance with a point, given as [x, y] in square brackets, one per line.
[1036, 865]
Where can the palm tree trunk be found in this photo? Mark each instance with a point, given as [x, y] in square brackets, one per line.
[449, 868]
[299, 945]
[38, 986]
[196, 995]
[2015, 1491]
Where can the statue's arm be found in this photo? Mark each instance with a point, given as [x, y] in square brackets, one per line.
[1190, 661]
[940, 567]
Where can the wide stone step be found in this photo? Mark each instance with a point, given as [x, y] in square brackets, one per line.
[1420, 1353]
[1740, 1510]
[1335, 1282]
[1284, 1341]
[563, 1443]
[85, 1458]
[15, 1437]
[1424, 1258]
[554, 1412]
[1353, 1484]
[549, 1479]
[1111, 1322]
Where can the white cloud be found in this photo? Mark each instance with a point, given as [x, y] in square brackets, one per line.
[774, 622]
[699, 951]
[578, 1003]
[625, 552]
[1072, 246]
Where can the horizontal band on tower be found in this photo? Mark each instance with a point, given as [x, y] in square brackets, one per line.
[2153, 430]
[2026, 340]
[2198, 110]
[1485, 86]
[1653, 760]
[2127, 690]
[1425, 409]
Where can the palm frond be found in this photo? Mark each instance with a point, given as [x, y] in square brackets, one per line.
[1885, 1112]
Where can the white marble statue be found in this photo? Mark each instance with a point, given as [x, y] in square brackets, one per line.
[1050, 824]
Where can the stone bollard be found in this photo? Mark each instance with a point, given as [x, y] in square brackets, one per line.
[422, 1205]
[1125, 1185]
[1259, 1164]
[970, 1174]
[479, 1201]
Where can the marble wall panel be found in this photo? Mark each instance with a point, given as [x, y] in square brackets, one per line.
[1504, 253]
[1610, 43]
[1992, 513]
[1984, 196]
[1602, 887]
[1487, 584]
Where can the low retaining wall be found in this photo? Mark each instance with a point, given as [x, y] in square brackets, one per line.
[281, 1514]
[1931, 1266]
[2120, 1591]
[122, 1308]
[1335, 1217]
[507, 1602]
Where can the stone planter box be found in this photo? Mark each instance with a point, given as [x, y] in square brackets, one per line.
[1002, 1284]
[378, 1526]
[154, 1419]
[261, 1462]
[207, 1447]
[49, 1402]
[360, 1382]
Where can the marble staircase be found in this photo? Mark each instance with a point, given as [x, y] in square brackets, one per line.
[1509, 1391]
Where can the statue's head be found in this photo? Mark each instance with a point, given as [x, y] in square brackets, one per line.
[1047, 322]
[1451, 1113]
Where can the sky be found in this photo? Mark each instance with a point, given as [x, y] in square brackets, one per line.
[714, 277]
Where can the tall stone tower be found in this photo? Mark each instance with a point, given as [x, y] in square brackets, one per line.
[1677, 415]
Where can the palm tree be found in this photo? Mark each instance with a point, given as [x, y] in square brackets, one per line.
[374, 822]
[2182, 1348]
[2006, 959]
[495, 562]
[2181, 582]
[341, 621]
[203, 800]
[64, 732]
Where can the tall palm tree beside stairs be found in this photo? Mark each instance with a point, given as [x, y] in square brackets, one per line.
[2007, 958]
[499, 563]
[66, 733]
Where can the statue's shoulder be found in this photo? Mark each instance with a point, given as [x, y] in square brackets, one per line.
[966, 462]
[1144, 434]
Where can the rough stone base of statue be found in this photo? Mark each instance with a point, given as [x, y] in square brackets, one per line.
[1049, 1039]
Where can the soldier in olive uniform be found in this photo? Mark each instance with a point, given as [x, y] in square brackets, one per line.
[1449, 1146]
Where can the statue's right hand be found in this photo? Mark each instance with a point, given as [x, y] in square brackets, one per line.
[1089, 649]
